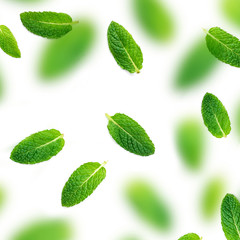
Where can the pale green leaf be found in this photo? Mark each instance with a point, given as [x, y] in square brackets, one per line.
[190, 236]
[223, 46]
[38, 147]
[124, 49]
[230, 217]
[50, 229]
[62, 55]
[212, 195]
[231, 9]
[149, 205]
[47, 24]
[190, 141]
[8, 42]
[154, 18]
[196, 65]
[130, 135]
[215, 116]
[82, 183]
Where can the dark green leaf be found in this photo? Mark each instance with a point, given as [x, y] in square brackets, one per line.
[38, 147]
[124, 49]
[130, 135]
[82, 183]
[8, 42]
[47, 24]
[215, 116]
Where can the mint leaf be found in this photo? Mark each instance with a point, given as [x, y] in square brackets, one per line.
[38, 147]
[8, 42]
[230, 9]
[47, 24]
[230, 217]
[211, 198]
[148, 205]
[154, 18]
[130, 135]
[190, 236]
[215, 116]
[190, 142]
[82, 183]
[62, 55]
[124, 49]
[223, 46]
[196, 65]
[49, 229]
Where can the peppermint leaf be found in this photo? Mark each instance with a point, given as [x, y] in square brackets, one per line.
[8, 42]
[47, 24]
[190, 236]
[212, 194]
[130, 135]
[124, 49]
[230, 217]
[154, 18]
[231, 10]
[62, 55]
[215, 116]
[190, 142]
[82, 183]
[38, 147]
[223, 46]
[196, 65]
[148, 205]
[50, 229]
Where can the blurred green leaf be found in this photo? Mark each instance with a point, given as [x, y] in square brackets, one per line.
[211, 197]
[2, 197]
[148, 205]
[154, 18]
[61, 55]
[237, 119]
[54, 229]
[190, 141]
[231, 9]
[197, 64]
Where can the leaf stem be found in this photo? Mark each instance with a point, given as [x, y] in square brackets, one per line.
[108, 117]
[206, 31]
[74, 22]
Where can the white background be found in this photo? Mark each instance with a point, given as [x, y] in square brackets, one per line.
[76, 106]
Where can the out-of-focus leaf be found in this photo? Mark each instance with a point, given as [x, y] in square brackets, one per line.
[197, 64]
[211, 197]
[61, 55]
[154, 18]
[237, 120]
[2, 198]
[148, 205]
[231, 9]
[54, 229]
[190, 141]
[190, 236]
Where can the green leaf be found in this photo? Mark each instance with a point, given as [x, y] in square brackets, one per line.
[230, 217]
[47, 24]
[154, 18]
[211, 197]
[197, 64]
[148, 205]
[51, 229]
[62, 55]
[190, 141]
[2, 197]
[124, 49]
[38, 147]
[82, 183]
[190, 236]
[8, 42]
[223, 46]
[237, 120]
[130, 135]
[215, 116]
[231, 9]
